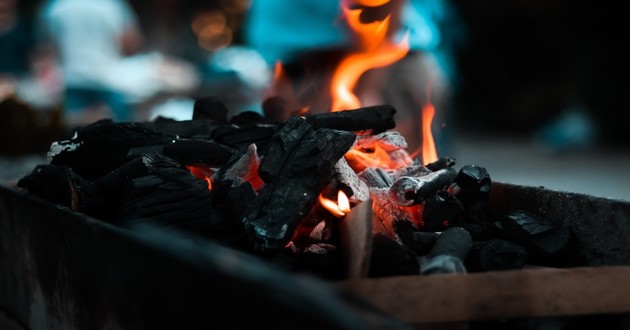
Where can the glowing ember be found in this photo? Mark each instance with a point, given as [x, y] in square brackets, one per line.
[375, 51]
[340, 208]
[201, 172]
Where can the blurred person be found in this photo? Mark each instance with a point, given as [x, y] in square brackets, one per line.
[105, 71]
[309, 38]
[16, 41]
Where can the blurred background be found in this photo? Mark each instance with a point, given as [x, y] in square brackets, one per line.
[536, 89]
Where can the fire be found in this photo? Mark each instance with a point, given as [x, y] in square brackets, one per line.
[339, 208]
[429, 152]
[375, 50]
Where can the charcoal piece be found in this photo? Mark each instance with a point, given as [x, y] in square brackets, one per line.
[454, 241]
[474, 179]
[545, 240]
[298, 164]
[57, 184]
[497, 254]
[448, 254]
[134, 168]
[210, 108]
[376, 177]
[440, 210]
[414, 190]
[346, 180]
[184, 129]
[238, 198]
[166, 197]
[143, 150]
[442, 162]
[389, 258]
[247, 118]
[376, 119]
[420, 242]
[389, 141]
[235, 136]
[101, 147]
[192, 151]
[526, 223]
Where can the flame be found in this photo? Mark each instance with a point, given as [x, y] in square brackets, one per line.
[429, 152]
[340, 208]
[360, 159]
[201, 172]
[375, 51]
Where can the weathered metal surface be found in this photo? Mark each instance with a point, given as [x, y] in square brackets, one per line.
[600, 226]
[62, 270]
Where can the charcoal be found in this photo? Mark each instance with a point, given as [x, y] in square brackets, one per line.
[376, 177]
[420, 242]
[526, 223]
[57, 184]
[247, 118]
[454, 241]
[134, 168]
[298, 164]
[234, 136]
[414, 190]
[238, 198]
[448, 254]
[345, 179]
[473, 179]
[192, 151]
[211, 109]
[375, 119]
[440, 210]
[166, 197]
[442, 162]
[389, 258]
[497, 254]
[546, 241]
[185, 129]
[389, 141]
[101, 147]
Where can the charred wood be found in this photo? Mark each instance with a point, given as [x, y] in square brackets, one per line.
[547, 241]
[298, 164]
[442, 162]
[414, 190]
[440, 210]
[375, 119]
[192, 151]
[376, 177]
[345, 179]
[241, 137]
[166, 197]
[355, 240]
[99, 148]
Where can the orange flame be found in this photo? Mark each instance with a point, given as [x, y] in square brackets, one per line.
[429, 152]
[375, 51]
[340, 208]
[201, 172]
[361, 159]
